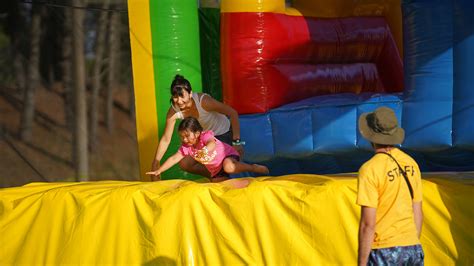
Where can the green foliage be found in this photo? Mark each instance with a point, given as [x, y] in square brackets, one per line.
[4, 40]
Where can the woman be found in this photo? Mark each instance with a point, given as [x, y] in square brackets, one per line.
[211, 114]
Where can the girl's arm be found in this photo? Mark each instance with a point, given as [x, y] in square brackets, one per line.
[211, 144]
[165, 139]
[174, 159]
[208, 152]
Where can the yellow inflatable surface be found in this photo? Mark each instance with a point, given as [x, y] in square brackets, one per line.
[287, 220]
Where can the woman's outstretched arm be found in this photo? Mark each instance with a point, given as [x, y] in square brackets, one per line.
[165, 140]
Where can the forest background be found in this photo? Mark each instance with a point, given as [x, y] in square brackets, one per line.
[66, 92]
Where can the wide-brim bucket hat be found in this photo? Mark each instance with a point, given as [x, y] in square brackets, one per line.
[381, 127]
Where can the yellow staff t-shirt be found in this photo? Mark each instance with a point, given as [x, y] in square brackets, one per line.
[382, 186]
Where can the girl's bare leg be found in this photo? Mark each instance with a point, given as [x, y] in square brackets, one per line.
[232, 166]
[238, 182]
[190, 165]
[219, 179]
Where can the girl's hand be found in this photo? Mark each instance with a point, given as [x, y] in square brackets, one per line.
[155, 175]
[204, 156]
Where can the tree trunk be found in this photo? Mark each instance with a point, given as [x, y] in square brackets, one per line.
[15, 27]
[96, 75]
[50, 79]
[48, 48]
[18, 65]
[80, 129]
[66, 69]
[112, 70]
[28, 112]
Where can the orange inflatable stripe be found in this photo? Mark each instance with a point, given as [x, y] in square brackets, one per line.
[390, 9]
[276, 6]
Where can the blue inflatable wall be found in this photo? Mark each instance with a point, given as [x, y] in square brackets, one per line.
[463, 57]
[320, 135]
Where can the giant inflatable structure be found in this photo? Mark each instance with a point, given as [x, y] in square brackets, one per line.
[348, 53]
[300, 73]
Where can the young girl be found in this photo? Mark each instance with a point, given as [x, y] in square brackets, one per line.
[219, 158]
[213, 115]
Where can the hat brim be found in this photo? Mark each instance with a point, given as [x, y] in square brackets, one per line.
[366, 131]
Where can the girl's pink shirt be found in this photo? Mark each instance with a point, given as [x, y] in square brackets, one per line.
[223, 150]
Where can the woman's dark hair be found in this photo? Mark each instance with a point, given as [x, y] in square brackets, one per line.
[178, 85]
[191, 124]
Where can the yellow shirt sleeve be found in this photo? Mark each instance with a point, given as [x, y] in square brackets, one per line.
[367, 192]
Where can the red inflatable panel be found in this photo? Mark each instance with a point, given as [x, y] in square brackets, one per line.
[270, 59]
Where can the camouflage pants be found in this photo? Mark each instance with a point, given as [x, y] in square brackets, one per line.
[409, 255]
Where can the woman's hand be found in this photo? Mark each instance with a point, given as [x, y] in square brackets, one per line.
[155, 165]
[154, 168]
[240, 150]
